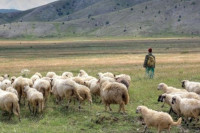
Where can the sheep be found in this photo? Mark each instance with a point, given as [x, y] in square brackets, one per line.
[65, 88]
[67, 74]
[35, 99]
[9, 103]
[78, 80]
[19, 84]
[107, 74]
[82, 73]
[44, 87]
[34, 78]
[39, 74]
[5, 84]
[113, 93]
[6, 76]
[123, 81]
[84, 93]
[127, 78]
[93, 86]
[1, 78]
[188, 107]
[50, 74]
[12, 79]
[11, 89]
[160, 120]
[167, 98]
[191, 86]
[168, 89]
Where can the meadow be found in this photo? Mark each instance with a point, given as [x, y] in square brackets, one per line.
[177, 59]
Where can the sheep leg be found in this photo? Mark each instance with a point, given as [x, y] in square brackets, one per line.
[29, 107]
[105, 107]
[68, 104]
[79, 104]
[163, 105]
[120, 106]
[170, 110]
[109, 107]
[145, 128]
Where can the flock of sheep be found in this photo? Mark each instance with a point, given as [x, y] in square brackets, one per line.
[110, 88]
[183, 102]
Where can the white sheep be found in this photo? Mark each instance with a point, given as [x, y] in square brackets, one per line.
[35, 99]
[9, 103]
[43, 86]
[34, 78]
[11, 89]
[67, 75]
[93, 86]
[169, 89]
[50, 74]
[19, 84]
[65, 88]
[191, 86]
[39, 74]
[5, 84]
[160, 120]
[188, 107]
[107, 74]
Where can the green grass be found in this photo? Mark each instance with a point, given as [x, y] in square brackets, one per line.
[143, 91]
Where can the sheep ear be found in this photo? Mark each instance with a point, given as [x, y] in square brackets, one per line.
[114, 75]
[8, 75]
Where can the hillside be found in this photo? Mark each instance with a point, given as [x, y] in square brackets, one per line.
[105, 18]
[8, 10]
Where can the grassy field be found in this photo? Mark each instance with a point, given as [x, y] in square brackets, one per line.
[177, 59]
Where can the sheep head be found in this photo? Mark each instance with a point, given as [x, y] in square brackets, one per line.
[183, 83]
[161, 86]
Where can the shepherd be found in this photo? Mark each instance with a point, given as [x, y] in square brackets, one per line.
[149, 63]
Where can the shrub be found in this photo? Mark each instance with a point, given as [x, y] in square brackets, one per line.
[107, 22]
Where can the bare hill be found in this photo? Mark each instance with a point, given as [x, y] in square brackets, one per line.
[106, 18]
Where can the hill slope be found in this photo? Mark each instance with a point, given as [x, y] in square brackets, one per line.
[106, 18]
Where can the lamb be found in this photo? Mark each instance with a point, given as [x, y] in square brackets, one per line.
[11, 89]
[35, 99]
[50, 74]
[19, 84]
[44, 87]
[9, 103]
[5, 84]
[67, 75]
[113, 93]
[187, 107]
[168, 89]
[191, 86]
[65, 88]
[160, 120]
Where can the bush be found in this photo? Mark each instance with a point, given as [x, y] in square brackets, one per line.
[107, 22]
[131, 9]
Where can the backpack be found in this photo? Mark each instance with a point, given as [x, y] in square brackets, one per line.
[151, 61]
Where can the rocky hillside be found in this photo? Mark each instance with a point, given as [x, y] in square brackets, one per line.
[66, 18]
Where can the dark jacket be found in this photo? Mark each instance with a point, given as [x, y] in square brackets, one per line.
[146, 59]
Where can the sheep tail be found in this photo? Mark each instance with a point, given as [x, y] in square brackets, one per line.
[177, 123]
[125, 97]
[77, 94]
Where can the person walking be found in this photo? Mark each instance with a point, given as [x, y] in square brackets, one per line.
[149, 63]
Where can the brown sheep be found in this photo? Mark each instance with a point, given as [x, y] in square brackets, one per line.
[114, 93]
